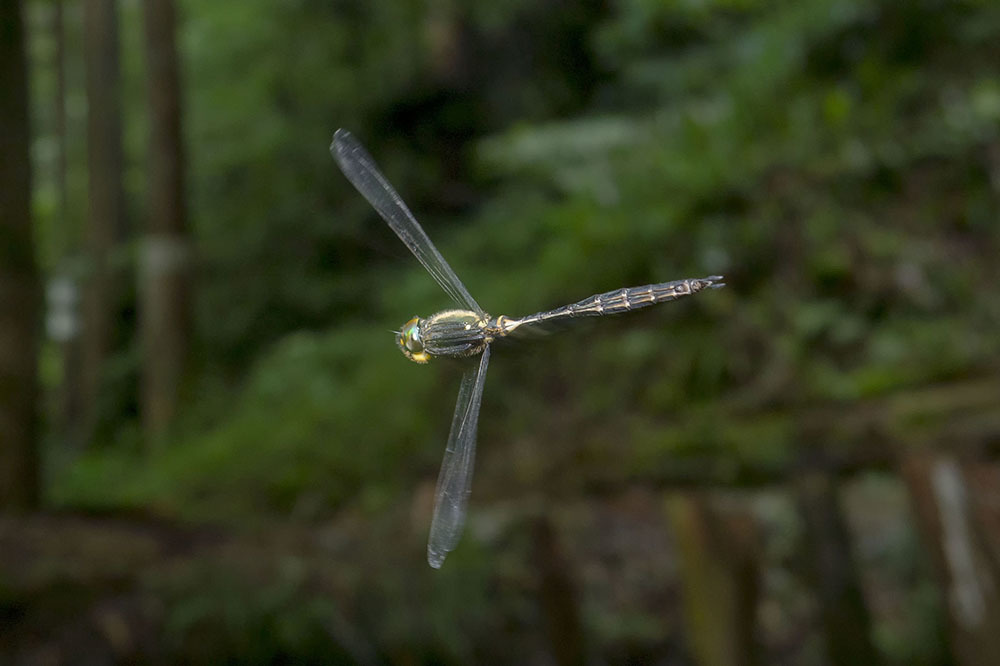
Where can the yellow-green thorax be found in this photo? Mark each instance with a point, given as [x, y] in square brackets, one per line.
[455, 333]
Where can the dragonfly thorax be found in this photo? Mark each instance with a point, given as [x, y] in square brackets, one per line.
[455, 333]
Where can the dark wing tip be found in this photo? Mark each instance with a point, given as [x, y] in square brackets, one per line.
[435, 559]
[340, 140]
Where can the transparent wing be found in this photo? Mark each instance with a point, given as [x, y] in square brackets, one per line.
[361, 170]
[456, 469]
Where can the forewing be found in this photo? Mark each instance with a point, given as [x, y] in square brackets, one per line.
[455, 479]
[364, 174]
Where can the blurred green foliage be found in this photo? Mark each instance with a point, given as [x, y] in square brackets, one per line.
[837, 160]
[831, 158]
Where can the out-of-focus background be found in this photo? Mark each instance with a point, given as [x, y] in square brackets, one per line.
[211, 450]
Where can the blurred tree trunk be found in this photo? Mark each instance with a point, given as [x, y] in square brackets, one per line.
[20, 293]
[719, 579]
[844, 614]
[59, 112]
[958, 513]
[70, 393]
[105, 223]
[164, 309]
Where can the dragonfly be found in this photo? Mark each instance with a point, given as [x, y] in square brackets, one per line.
[468, 332]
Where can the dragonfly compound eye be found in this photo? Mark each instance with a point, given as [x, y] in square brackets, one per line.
[411, 343]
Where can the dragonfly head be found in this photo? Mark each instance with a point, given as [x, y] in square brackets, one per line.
[410, 342]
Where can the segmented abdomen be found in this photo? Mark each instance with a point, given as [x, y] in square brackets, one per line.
[621, 300]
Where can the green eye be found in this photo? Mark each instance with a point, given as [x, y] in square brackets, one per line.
[410, 342]
[411, 338]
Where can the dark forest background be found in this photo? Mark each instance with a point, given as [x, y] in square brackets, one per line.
[211, 450]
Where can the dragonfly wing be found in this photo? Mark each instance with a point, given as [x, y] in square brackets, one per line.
[364, 174]
[455, 479]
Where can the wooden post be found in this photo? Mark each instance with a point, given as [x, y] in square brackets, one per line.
[844, 614]
[719, 580]
[557, 594]
[957, 508]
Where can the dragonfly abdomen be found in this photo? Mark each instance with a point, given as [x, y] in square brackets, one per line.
[618, 301]
[633, 298]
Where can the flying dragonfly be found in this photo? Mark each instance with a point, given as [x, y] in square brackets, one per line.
[467, 332]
